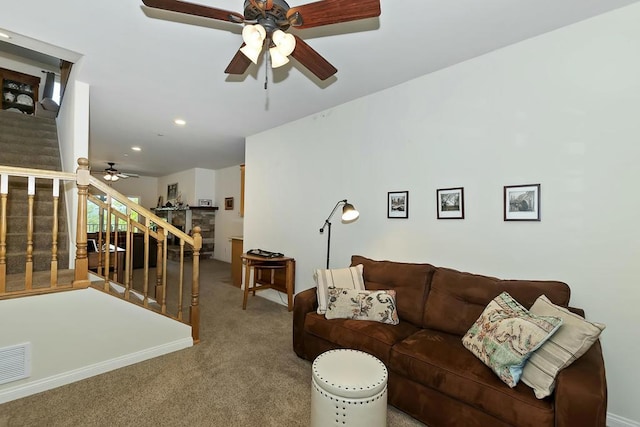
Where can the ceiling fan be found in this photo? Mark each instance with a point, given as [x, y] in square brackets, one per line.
[112, 174]
[266, 22]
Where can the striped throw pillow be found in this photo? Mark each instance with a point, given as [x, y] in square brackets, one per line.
[347, 278]
[573, 339]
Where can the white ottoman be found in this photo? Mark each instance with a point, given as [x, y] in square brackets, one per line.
[348, 388]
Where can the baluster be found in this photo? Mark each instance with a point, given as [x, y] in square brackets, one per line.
[4, 190]
[54, 233]
[116, 263]
[128, 250]
[81, 275]
[181, 280]
[194, 314]
[159, 264]
[106, 251]
[101, 220]
[31, 193]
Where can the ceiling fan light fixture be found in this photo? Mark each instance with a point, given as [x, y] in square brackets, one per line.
[254, 35]
[252, 52]
[110, 177]
[277, 58]
[285, 43]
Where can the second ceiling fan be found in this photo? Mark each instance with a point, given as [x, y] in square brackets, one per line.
[266, 23]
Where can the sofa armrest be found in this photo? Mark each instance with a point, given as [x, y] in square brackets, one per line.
[304, 302]
[581, 391]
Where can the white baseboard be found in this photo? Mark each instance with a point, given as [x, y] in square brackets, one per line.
[69, 377]
[614, 420]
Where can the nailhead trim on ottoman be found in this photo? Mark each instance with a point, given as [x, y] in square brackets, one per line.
[349, 388]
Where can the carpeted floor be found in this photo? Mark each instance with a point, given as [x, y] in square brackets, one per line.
[243, 373]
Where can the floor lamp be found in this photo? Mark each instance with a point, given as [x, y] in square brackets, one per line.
[349, 214]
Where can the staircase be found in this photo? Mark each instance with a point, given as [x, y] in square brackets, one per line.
[32, 142]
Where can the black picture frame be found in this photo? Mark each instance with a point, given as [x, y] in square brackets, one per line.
[450, 203]
[398, 204]
[522, 202]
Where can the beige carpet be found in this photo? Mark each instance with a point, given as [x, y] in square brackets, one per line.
[243, 373]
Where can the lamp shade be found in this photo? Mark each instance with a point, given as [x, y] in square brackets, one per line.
[254, 35]
[252, 52]
[349, 213]
[285, 43]
[277, 58]
[110, 177]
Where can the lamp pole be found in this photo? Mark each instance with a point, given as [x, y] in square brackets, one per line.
[349, 213]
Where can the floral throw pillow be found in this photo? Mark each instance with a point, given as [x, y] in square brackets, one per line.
[350, 277]
[379, 306]
[506, 334]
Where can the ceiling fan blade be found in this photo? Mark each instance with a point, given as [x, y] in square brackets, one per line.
[327, 12]
[195, 9]
[238, 64]
[312, 60]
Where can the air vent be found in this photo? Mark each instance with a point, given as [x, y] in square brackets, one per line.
[15, 362]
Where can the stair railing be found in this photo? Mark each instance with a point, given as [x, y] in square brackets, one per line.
[113, 257]
[11, 286]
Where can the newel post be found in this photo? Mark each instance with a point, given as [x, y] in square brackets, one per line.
[194, 311]
[81, 279]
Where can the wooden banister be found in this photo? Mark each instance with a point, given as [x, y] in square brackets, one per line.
[110, 233]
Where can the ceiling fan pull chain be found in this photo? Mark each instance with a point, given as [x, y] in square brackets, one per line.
[266, 71]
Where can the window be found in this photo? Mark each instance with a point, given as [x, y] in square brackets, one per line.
[93, 214]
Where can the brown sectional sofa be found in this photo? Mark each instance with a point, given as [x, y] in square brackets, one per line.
[432, 376]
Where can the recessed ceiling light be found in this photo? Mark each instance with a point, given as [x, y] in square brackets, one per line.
[5, 36]
[179, 122]
[136, 148]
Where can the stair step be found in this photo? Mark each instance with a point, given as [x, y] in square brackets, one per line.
[11, 119]
[41, 224]
[45, 145]
[17, 242]
[41, 261]
[40, 279]
[31, 160]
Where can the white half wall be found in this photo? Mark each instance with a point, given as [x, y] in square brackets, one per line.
[560, 109]
[101, 333]
[229, 223]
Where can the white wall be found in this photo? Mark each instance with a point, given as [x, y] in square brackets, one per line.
[560, 110]
[193, 184]
[228, 223]
[205, 185]
[145, 187]
[73, 137]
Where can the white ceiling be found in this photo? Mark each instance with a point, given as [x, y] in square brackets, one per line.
[148, 67]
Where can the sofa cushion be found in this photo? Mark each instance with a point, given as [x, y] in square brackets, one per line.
[379, 306]
[438, 360]
[506, 334]
[457, 299]
[410, 281]
[372, 337]
[573, 339]
[347, 278]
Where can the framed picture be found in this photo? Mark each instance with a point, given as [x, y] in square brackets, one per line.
[450, 203]
[172, 191]
[522, 202]
[228, 203]
[398, 204]
[205, 202]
